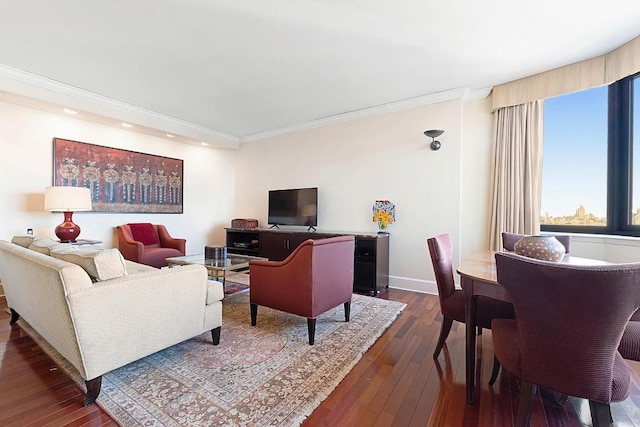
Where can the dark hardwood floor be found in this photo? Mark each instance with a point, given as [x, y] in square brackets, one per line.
[396, 383]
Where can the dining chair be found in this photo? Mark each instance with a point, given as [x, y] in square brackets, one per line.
[567, 330]
[629, 347]
[509, 240]
[452, 300]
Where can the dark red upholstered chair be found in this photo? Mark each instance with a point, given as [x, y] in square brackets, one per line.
[629, 346]
[568, 326]
[148, 244]
[452, 300]
[316, 277]
[509, 240]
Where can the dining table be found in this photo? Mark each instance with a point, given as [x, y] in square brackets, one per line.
[478, 277]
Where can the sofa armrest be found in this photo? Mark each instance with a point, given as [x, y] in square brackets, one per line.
[121, 320]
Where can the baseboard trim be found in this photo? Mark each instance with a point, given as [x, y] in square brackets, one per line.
[414, 285]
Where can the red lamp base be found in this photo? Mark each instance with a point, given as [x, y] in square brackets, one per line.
[67, 231]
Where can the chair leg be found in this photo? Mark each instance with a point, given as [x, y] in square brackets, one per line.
[444, 333]
[524, 407]
[215, 335]
[496, 369]
[93, 390]
[600, 414]
[254, 314]
[311, 325]
[347, 310]
[14, 316]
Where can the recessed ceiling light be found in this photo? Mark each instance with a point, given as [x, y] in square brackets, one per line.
[170, 136]
[127, 125]
[204, 143]
[70, 111]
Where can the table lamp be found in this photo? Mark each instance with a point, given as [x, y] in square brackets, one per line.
[67, 200]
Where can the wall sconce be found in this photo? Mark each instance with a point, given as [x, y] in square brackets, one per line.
[433, 134]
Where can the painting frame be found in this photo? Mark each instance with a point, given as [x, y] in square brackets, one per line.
[120, 181]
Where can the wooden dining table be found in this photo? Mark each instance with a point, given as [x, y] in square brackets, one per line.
[478, 277]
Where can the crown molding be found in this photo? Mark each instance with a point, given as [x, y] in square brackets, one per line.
[47, 90]
[102, 108]
[465, 94]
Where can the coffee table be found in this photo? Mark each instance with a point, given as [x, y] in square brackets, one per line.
[217, 268]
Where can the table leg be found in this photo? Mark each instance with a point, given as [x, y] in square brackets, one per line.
[470, 327]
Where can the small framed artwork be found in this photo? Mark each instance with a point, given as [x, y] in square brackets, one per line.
[120, 180]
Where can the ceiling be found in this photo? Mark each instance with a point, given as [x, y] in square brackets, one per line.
[234, 70]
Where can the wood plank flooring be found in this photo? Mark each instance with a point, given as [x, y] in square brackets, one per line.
[396, 383]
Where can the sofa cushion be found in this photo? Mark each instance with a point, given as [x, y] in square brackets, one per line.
[100, 264]
[24, 240]
[144, 233]
[44, 245]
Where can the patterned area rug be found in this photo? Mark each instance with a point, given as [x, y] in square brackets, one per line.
[258, 376]
[236, 282]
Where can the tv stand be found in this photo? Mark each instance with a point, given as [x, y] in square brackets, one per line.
[274, 226]
[311, 228]
[371, 263]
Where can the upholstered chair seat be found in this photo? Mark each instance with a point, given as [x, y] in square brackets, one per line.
[149, 244]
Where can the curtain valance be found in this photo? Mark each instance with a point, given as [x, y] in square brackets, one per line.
[601, 70]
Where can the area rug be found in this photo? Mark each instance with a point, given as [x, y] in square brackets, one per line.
[258, 376]
[236, 282]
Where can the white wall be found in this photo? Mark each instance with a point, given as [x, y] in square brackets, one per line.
[475, 176]
[26, 163]
[607, 248]
[357, 162]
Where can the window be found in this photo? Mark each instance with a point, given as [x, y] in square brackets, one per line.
[590, 155]
[635, 201]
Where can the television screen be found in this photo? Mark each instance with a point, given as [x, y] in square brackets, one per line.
[294, 207]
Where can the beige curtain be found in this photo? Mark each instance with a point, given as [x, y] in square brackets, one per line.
[517, 170]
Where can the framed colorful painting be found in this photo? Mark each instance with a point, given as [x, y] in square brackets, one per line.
[120, 180]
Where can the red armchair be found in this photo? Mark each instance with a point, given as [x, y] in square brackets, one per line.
[316, 277]
[148, 244]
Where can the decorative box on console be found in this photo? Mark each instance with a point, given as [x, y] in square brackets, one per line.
[215, 252]
[244, 223]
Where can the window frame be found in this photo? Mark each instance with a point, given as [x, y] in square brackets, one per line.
[620, 105]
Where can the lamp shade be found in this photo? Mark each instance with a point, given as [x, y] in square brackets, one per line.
[67, 199]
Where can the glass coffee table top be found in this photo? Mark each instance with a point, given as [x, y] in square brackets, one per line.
[231, 262]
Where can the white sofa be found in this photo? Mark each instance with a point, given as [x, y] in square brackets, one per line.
[104, 322]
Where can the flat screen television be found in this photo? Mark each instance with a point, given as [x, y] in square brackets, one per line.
[296, 206]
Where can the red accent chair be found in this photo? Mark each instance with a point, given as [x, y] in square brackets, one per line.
[316, 277]
[148, 244]
[509, 240]
[567, 331]
[452, 300]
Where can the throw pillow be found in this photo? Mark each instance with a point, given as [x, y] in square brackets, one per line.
[144, 233]
[100, 264]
